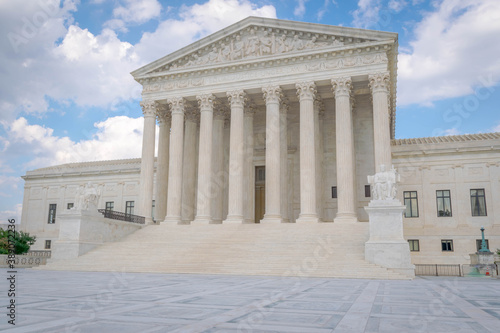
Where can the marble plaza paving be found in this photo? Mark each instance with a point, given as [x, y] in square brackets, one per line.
[60, 301]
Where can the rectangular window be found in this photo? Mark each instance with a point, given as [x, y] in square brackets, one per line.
[48, 243]
[129, 208]
[478, 202]
[110, 205]
[52, 213]
[447, 245]
[70, 205]
[443, 203]
[411, 203]
[334, 192]
[414, 245]
[368, 192]
[478, 244]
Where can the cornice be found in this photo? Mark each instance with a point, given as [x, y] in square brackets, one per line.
[447, 139]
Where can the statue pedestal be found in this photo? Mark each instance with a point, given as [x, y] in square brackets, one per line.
[483, 262]
[386, 246]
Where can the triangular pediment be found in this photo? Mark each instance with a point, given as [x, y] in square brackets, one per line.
[257, 38]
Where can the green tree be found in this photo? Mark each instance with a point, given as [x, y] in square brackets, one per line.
[21, 240]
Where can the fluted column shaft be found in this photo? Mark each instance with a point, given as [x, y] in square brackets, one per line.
[318, 129]
[272, 96]
[284, 160]
[219, 176]
[204, 200]
[147, 160]
[174, 196]
[249, 193]
[191, 116]
[308, 210]
[236, 158]
[379, 85]
[164, 121]
[345, 151]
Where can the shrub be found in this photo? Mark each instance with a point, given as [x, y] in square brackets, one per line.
[22, 241]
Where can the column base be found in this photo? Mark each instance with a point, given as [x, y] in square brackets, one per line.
[234, 219]
[249, 221]
[149, 221]
[268, 218]
[307, 218]
[345, 218]
[202, 220]
[173, 220]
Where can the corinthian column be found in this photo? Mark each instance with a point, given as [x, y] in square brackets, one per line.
[174, 196]
[379, 85]
[318, 129]
[345, 151]
[164, 121]
[272, 96]
[308, 210]
[204, 201]
[249, 193]
[219, 179]
[284, 159]
[189, 165]
[236, 158]
[147, 160]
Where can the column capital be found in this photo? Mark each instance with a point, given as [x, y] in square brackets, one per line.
[379, 82]
[206, 102]
[272, 94]
[342, 86]
[149, 108]
[163, 115]
[237, 97]
[191, 114]
[176, 105]
[306, 90]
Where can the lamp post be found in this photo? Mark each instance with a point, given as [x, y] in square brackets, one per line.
[484, 248]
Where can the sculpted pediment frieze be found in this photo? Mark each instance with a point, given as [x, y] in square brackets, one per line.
[256, 42]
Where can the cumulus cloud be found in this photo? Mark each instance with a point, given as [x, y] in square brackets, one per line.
[300, 9]
[453, 52]
[115, 138]
[12, 213]
[135, 12]
[195, 22]
[367, 13]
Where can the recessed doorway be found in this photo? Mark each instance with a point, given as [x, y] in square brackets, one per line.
[260, 193]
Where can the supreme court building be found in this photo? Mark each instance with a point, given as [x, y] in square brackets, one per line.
[270, 121]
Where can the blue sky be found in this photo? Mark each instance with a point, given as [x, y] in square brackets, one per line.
[66, 94]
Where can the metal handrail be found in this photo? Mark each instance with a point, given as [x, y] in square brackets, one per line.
[111, 214]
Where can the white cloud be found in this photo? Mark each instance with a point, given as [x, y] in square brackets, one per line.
[453, 52]
[367, 13]
[451, 131]
[13, 213]
[397, 5]
[116, 138]
[300, 9]
[496, 128]
[195, 22]
[135, 12]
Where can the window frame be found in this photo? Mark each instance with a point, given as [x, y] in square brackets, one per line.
[129, 207]
[109, 203]
[51, 218]
[334, 192]
[48, 244]
[70, 205]
[368, 191]
[477, 197]
[443, 197]
[410, 201]
[413, 242]
[447, 241]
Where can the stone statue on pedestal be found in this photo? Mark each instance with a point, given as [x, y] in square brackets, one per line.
[384, 184]
[87, 196]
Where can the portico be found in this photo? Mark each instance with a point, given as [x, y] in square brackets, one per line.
[310, 103]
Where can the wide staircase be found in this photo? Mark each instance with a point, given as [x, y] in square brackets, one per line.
[287, 249]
